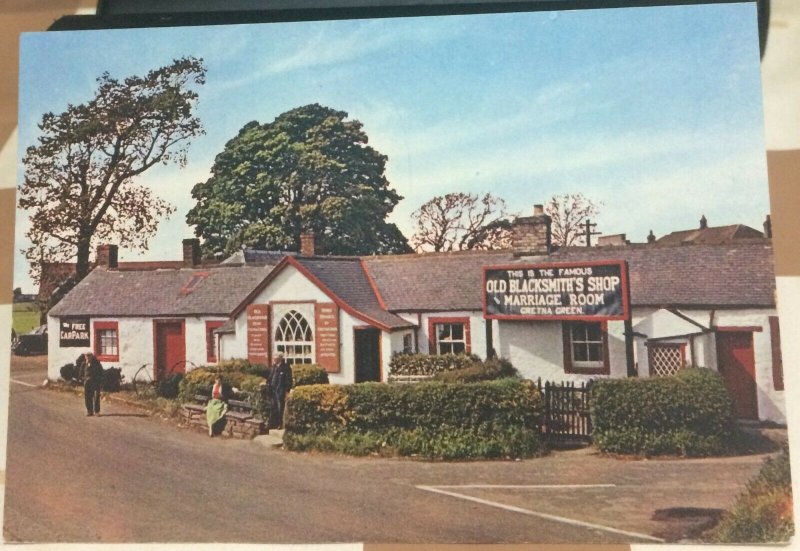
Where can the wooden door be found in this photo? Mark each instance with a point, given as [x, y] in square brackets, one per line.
[170, 348]
[367, 354]
[736, 363]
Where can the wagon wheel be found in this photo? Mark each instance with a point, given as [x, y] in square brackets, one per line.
[141, 379]
[163, 374]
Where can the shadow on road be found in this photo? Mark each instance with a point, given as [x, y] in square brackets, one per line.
[122, 415]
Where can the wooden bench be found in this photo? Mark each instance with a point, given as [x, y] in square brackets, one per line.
[239, 422]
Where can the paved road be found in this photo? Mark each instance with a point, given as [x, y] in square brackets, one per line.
[124, 477]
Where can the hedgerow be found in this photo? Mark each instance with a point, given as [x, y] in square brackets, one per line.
[309, 374]
[489, 370]
[429, 364]
[763, 513]
[689, 414]
[432, 419]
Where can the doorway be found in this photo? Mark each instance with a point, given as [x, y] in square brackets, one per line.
[367, 354]
[736, 363]
[170, 348]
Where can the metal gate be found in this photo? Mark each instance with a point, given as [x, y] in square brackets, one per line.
[566, 413]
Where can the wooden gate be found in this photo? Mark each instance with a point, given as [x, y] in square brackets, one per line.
[566, 413]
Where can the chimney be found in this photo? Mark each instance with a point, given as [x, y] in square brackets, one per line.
[768, 227]
[651, 237]
[106, 256]
[615, 240]
[308, 243]
[191, 252]
[703, 222]
[531, 235]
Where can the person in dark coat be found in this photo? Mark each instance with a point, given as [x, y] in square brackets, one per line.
[91, 371]
[280, 383]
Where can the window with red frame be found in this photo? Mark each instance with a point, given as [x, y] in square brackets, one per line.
[449, 336]
[211, 340]
[106, 341]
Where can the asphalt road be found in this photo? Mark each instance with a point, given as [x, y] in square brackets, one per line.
[125, 477]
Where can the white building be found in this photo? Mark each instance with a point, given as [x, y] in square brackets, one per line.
[706, 302]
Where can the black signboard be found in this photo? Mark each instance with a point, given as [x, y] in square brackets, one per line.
[591, 291]
[74, 332]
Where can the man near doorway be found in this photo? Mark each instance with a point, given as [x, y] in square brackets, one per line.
[280, 383]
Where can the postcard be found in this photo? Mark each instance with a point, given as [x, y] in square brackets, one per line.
[412, 277]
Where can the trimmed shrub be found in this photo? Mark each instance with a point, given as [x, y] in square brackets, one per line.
[489, 370]
[168, 388]
[69, 372]
[239, 366]
[431, 419]
[689, 414]
[201, 380]
[763, 513]
[309, 374]
[429, 364]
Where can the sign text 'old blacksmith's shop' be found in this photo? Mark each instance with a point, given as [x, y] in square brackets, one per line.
[576, 291]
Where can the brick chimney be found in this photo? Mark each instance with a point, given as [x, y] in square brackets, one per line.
[191, 252]
[308, 243]
[106, 256]
[703, 222]
[651, 237]
[531, 235]
[768, 227]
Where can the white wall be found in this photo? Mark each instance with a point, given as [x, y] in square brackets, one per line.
[536, 349]
[135, 345]
[291, 290]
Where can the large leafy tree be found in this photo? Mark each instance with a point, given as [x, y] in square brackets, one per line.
[309, 169]
[80, 178]
[461, 221]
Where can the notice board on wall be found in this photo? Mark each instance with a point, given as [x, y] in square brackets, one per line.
[258, 344]
[326, 318]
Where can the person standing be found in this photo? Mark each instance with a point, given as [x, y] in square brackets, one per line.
[280, 383]
[91, 371]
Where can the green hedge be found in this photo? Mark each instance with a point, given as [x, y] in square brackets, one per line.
[688, 414]
[309, 374]
[429, 364]
[201, 380]
[763, 513]
[489, 370]
[431, 419]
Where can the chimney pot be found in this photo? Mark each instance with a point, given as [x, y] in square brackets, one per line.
[703, 222]
[651, 238]
[308, 243]
[768, 227]
[191, 252]
[107, 256]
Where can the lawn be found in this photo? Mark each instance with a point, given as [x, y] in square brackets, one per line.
[25, 317]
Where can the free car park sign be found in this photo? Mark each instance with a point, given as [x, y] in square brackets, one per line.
[593, 291]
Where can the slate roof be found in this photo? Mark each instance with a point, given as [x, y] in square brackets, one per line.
[160, 292]
[710, 236]
[734, 274]
[345, 277]
[257, 257]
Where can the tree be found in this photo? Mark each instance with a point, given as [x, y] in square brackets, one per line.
[461, 221]
[80, 178]
[309, 169]
[569, 212]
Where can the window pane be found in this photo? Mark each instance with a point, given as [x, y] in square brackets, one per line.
[443, 331]
[595, 352]
[579, 352]
[593, 332]
[457, 332]
[458, 348]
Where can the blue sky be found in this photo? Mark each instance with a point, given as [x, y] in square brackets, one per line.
[656, 112]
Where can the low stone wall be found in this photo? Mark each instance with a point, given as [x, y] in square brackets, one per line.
[235, 424]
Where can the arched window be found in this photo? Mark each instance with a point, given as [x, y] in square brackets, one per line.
[294, 339]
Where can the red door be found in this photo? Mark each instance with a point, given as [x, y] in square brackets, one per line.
[737, 365]
[170, 348]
